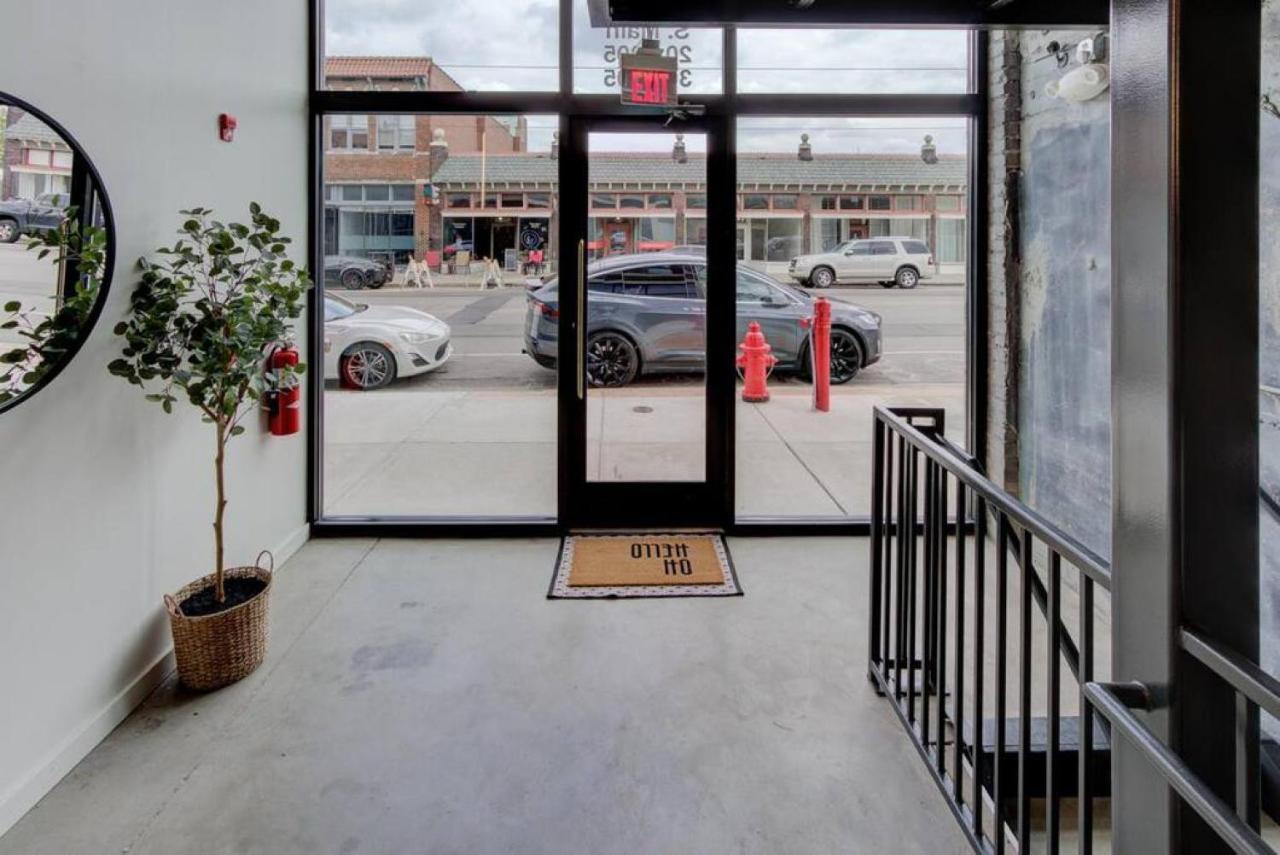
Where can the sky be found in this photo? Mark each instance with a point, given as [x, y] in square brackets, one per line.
[512, 45]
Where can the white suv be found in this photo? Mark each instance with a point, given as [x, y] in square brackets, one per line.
[901, 261]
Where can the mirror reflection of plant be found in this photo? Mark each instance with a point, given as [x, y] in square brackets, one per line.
[51, 336]
[200, 321]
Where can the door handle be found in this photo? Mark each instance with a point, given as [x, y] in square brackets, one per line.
[582, 330]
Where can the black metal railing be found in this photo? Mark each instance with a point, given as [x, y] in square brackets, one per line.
[940, 642]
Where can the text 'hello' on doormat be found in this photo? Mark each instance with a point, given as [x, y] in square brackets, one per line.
[617, 566]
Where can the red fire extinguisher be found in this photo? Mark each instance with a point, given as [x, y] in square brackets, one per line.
[284, 405]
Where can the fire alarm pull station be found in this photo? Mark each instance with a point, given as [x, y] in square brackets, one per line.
[226, 127]
[648, 76]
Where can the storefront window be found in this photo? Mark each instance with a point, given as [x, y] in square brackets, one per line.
[634, 202]
[698, 53]
[695, 231]
[783, 241]
[659, 200]
[755, 202]
[952, 240]
[604, 200]
[696, 200]
[826, 234]
[656, 233]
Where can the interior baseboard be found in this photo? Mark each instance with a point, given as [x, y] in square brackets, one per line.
[16, 800]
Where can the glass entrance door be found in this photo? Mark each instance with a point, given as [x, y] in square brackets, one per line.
[646, 446]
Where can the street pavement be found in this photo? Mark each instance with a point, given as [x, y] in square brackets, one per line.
[923, 336]
[478, 436]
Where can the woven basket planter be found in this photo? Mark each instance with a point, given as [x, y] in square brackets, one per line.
[216, 650]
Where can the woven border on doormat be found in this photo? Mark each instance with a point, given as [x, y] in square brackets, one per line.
[561, 589]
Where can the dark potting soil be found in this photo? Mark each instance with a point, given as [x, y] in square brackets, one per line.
[238, 590]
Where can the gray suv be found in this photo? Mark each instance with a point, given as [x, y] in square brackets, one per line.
[646, 314]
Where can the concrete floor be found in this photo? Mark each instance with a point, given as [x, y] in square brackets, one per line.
[425, 697]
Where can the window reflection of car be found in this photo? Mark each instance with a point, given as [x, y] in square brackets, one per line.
[901, 261]
[20, 217]
[618, 241]
[646, 314]
[354, 273]
[368, 347]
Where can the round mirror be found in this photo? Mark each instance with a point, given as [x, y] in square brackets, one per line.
[57, 241]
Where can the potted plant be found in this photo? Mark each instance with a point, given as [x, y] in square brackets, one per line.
[200, 322]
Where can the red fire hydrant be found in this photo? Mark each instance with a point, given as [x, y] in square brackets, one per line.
[756, 360]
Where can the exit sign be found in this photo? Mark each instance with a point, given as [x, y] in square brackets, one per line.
[648, 78]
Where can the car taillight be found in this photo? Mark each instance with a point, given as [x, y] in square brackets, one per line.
[545, 310]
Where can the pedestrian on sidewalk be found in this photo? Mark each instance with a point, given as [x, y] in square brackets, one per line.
[492, 274]
[412, 275]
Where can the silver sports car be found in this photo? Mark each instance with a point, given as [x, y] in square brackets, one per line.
[647, 314]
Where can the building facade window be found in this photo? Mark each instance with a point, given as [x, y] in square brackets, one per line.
[349, 132]
[659, 200]
[851, 203]
[947, 203]
[880, 203]
[907, 203]
[953, 237]
[396, 133]
[785, 202]
[755, 202]
[697, 201]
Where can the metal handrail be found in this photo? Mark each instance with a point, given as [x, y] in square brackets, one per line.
[1213, 810]
[1071, 550]
[1241, 674]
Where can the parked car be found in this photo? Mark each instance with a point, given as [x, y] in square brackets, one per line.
[24, 216]
[352, 273]
[901, 261]
[647, 314]
[367, 347]
[689, 249]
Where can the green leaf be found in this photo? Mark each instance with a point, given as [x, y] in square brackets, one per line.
[13, 306]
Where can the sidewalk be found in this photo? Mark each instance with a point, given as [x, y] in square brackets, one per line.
[494, 452]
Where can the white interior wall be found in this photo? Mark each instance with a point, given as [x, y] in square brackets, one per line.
[105, 502]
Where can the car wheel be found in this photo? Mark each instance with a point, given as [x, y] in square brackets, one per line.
[8, 231]
[846, 356]
[612, 360]
[374, 281]
[367, 366]
[822, 277]
[907, 277]
[352, 280]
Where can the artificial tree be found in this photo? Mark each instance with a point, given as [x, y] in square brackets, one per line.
[200, 322]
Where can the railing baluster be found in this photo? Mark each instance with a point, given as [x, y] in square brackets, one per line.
[877, 529]
[888, 558]
[913, 583]
[1024, 695]
[957, 762]
[928, 600]
[1055, 701]
[904, 540]
[979, 654]
[1084, 774]
[1002, 647]
[940, 631]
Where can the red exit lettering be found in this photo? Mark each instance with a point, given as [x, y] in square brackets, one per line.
[649, 87]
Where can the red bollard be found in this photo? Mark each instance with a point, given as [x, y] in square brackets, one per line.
[821, 354]
[756, 361]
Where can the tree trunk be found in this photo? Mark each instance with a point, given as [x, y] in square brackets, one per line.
[219, 591]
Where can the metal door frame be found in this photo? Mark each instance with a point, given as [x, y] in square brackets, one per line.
[603, 504]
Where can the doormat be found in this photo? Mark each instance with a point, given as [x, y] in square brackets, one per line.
[618, 566]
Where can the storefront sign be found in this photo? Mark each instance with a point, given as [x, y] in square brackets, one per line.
[531, 238]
